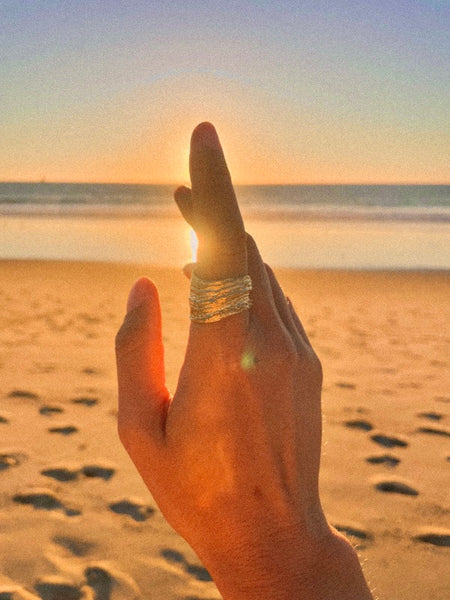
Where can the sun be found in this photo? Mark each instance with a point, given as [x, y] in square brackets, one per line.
[193, 241]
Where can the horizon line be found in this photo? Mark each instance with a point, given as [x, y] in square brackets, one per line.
[238, 184]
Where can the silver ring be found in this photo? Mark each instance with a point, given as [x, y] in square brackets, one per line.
[211, 301]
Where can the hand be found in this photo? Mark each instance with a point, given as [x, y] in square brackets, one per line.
[232, 460]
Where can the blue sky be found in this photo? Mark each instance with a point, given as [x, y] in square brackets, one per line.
[299, 91]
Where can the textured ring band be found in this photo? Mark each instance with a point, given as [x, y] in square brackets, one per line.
[212, 301]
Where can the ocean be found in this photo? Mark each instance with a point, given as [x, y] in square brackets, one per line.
[298, 226]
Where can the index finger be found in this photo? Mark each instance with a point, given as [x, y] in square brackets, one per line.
[222, 251]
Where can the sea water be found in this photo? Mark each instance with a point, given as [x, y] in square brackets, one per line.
[300, 226]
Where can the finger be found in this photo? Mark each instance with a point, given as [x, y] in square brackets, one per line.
[286, 311]
[297, 322]
[183, 198]
[279, 299]
[268, 297]
[214, 212]
[263, 304]
[143, 395]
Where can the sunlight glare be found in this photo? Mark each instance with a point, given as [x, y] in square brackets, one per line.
[194, 245]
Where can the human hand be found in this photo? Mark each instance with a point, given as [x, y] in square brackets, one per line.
[232, 460]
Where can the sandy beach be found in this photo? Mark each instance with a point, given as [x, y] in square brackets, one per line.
[76, 521]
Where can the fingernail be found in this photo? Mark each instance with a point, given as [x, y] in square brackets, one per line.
[138, 294]
[207, 134]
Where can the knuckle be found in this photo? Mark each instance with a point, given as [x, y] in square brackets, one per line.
[250, 242]
[269, 270]
[222, 232]
[236, 236]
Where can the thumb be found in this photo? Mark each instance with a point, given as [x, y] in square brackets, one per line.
[143, 395]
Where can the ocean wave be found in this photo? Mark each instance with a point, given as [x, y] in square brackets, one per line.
[255, 212]
[86, 210]
[349, 213]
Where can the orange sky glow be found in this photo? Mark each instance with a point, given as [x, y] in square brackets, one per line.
[353, 93]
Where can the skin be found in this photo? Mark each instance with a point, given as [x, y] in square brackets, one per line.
[232, 459]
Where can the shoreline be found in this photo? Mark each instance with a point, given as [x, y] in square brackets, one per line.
[283, 244]
[152, 266]
[319, 214]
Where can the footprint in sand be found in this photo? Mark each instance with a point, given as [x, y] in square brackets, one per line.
[396, 487]
[66, 430]
[353, 531]
[85, 401]
[198, 572]
[25, 394]
[71, 473]
[75, 546]
[360, 424]
[13, 591]
[436, 538]
[383, 459]
[110, 584]
[16, 593]
[44, 500]
[173, 556]
[345, 385]
[431, 416]
[55, 587]
[48, 410]
[11, 459]
[61, 473]
[388, 441]
[134, 509]
[433, 431]
[444, 399]
[44, 368]
[90, 371]
[101, 471]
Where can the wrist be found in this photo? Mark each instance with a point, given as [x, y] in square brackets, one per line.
[290, 566]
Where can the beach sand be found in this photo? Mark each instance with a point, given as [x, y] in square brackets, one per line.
[76, 521]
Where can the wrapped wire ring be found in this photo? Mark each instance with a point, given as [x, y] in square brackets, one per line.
[212, 301]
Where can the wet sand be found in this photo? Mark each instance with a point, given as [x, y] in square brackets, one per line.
[76, 521]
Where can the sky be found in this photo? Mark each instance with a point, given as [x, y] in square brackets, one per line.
[307, 91]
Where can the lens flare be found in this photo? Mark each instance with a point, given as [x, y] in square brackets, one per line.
[248, 360]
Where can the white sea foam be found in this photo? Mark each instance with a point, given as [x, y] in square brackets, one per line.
[263, 212]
